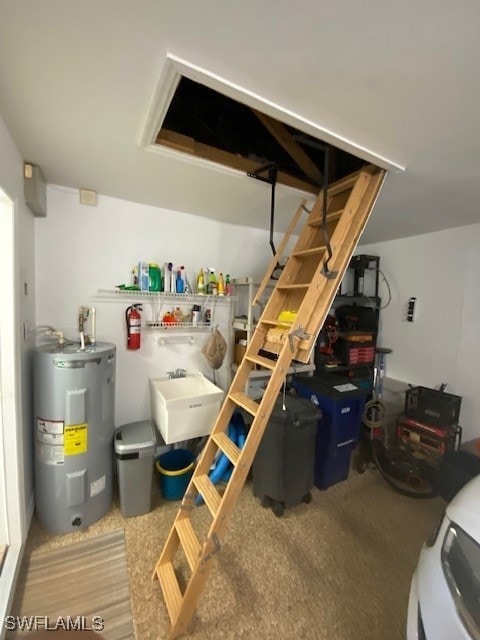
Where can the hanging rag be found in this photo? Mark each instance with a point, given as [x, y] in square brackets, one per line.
[215, 349]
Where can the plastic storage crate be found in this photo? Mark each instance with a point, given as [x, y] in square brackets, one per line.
[283, 467]
[432, 406]
[342, 406]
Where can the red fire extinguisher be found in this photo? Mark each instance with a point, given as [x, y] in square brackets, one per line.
[133, 320]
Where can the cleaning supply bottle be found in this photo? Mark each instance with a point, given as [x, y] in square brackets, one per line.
[201, 283]
[220, 285]
[212, 282]
[228, 286]
[154, 277]
[178, 315]
[179, 284]
[166, 277]
[173, 280]
[183, 276]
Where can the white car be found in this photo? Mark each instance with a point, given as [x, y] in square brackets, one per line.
[444, 601]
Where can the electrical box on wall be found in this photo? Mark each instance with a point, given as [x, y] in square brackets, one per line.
[35, 190]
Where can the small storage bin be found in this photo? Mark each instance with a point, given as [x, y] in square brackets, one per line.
[184, 408]
[432, 406]
[175, 468]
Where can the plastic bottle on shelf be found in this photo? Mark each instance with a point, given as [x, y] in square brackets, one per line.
[212, 282]
[228, 286]
[154, 277]
[220, 285]
[183, 276]
[178, 315]
[173, 282]
[179, 284]
[201, 283]
[196, 315]
[166, 277]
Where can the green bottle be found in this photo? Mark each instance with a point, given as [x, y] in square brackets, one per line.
[154, 277]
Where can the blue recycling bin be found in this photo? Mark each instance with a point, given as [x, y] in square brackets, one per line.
[342, 405]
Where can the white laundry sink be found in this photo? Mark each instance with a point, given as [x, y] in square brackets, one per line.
[184, 408]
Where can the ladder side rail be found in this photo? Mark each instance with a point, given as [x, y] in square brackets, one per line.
[279, 253]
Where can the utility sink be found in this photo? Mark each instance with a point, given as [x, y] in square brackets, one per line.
[184, 408]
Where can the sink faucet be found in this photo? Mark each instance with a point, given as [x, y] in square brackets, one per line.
[178, 373]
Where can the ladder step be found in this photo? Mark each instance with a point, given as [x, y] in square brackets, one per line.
[189, 541]
[293, 286]
[267, 363]
[334, 215]
[306, 253]
[170, 588]
[208, 492]
[244, 401]
[228, 447]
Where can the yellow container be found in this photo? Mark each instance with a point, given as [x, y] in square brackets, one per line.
[286, 319]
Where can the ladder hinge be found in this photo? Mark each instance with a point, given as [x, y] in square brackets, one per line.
[216, 549]
[188, 502]
[306, 209]
[329, 275]
[298, 333]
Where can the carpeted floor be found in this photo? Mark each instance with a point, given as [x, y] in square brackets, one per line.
[338, 568]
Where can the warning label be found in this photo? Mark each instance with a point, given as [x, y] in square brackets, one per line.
[50, 441]
[75, 441]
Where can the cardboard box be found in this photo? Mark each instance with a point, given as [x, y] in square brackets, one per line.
[239, 351]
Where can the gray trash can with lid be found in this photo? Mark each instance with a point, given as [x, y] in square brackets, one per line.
[135, 445]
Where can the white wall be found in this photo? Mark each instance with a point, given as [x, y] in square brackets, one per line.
[80, 249]
[19, 463]
[443, 343]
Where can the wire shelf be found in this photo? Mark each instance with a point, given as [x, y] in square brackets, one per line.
[172, 326]
[164, 295]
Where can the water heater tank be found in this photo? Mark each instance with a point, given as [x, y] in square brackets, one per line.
[73, 429]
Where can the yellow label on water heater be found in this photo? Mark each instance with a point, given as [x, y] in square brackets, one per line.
[75, 439]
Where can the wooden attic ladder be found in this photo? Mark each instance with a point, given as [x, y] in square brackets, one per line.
[302, 287]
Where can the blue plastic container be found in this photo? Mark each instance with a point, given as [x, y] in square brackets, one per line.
[176, 469]
[338, 428]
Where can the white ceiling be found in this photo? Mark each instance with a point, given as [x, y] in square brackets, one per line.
[78, 79]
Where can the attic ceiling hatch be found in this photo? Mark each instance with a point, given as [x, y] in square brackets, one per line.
[232, 127]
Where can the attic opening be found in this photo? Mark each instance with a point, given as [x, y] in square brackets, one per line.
[206, 124]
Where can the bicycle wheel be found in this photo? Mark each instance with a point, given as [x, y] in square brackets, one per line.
[403, 473]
